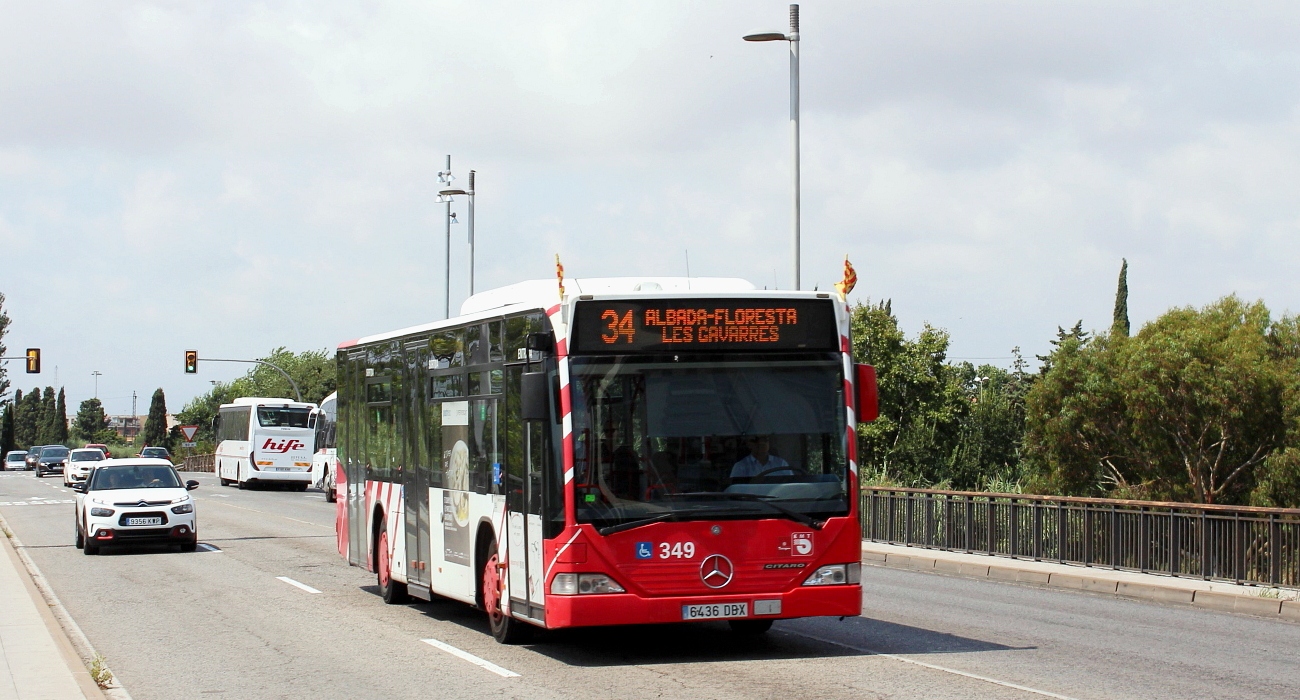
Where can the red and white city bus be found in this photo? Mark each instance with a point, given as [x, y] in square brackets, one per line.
[626, 451]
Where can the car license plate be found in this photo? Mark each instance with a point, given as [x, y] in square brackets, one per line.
[715, 611]
[284, 469]
[144, 521]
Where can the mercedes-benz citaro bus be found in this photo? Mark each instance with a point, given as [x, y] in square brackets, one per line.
[264, 441]
[628, 451]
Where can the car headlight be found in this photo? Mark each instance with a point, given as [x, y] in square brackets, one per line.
[99, 501]
[183, 508]
[183, 498]
[835, 575]
[584, 584]
[101, 512]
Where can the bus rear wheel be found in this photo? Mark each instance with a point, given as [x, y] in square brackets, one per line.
[393, 593]
[505, 629]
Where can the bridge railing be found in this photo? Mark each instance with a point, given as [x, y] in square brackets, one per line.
[1230, 543]
[199, 463]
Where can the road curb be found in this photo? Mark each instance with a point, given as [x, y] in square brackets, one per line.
[1078, 579]
[71, 631]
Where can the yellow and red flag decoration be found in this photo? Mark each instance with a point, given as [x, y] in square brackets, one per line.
[559, 274]
[850, 280]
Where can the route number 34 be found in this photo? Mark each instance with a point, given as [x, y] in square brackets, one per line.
[617, 327]
[676, 550]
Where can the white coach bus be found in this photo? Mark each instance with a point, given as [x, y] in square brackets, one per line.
[324, 464]
[265, 441]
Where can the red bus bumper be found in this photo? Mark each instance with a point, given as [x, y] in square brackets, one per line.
[628, 609]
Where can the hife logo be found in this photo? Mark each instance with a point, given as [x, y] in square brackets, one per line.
[282, 447]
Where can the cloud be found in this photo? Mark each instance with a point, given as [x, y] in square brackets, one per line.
[239, 176]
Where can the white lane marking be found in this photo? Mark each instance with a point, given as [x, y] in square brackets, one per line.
[973, 676]
[292, 582]
[219, 495]
[304, 522]
[461, 654]
[209, 548]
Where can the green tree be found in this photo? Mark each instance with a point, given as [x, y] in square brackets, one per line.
[7, 428]
[91, 423]
[312, 370]
[1188, 409]
[4, 329]
[921, 399]
[61, 418]
[1119, 324]
[155, 425]
[46, 432]
[27, 422]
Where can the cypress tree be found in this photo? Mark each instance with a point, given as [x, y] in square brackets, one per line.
[7, 428]
[61, 418]
[25, 419]
[46, 432]
[155, 426]
[4, 328]
[1120, 326]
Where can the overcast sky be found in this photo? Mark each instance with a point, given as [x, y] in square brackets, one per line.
[234, 177]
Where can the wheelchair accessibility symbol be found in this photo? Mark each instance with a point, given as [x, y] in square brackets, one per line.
[645, 550]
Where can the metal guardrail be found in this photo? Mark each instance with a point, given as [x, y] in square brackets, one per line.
[199, 463]
[1230, 543]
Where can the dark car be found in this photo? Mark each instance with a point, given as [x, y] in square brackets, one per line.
[53, 460]
[33, 454]
[155, 453]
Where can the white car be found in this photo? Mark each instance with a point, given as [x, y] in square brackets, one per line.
[15, 460]
[136, 500]
[80, 462]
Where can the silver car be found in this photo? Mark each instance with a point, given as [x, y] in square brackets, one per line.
[14, 460]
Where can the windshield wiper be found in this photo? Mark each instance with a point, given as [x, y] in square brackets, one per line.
[633, 524]
[755, 498]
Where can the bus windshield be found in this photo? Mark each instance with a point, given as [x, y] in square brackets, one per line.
[283, 417]
[726, 437]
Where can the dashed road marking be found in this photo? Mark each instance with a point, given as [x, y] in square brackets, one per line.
[296, 584]
[973, 676]
[462, 654]
[209, 548]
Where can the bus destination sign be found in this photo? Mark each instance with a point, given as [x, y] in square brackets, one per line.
[703, 325]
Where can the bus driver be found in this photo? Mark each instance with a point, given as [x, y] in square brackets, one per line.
[759, 460]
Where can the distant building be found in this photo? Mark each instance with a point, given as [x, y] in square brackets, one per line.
[130, 427]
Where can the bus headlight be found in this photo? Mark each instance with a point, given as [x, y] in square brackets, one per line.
[584, 584]
[835, 575]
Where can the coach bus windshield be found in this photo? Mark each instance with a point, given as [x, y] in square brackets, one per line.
[284, 417]
[723, 437]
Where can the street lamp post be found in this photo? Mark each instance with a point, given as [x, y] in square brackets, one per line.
[445, 177]
[448, 194]
[793, 39]
[96, 374]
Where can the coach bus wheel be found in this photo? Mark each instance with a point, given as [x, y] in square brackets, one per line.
[750, 627]
[328, 487]
[505, 629]
[393, 592]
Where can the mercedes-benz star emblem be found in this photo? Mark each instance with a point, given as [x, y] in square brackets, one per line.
[716, 571]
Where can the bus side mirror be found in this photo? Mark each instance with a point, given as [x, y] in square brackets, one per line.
[533, 401]
[540, 342]
[868, 397]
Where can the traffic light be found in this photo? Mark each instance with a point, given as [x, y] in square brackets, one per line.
[191, 361]
[33, 360]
